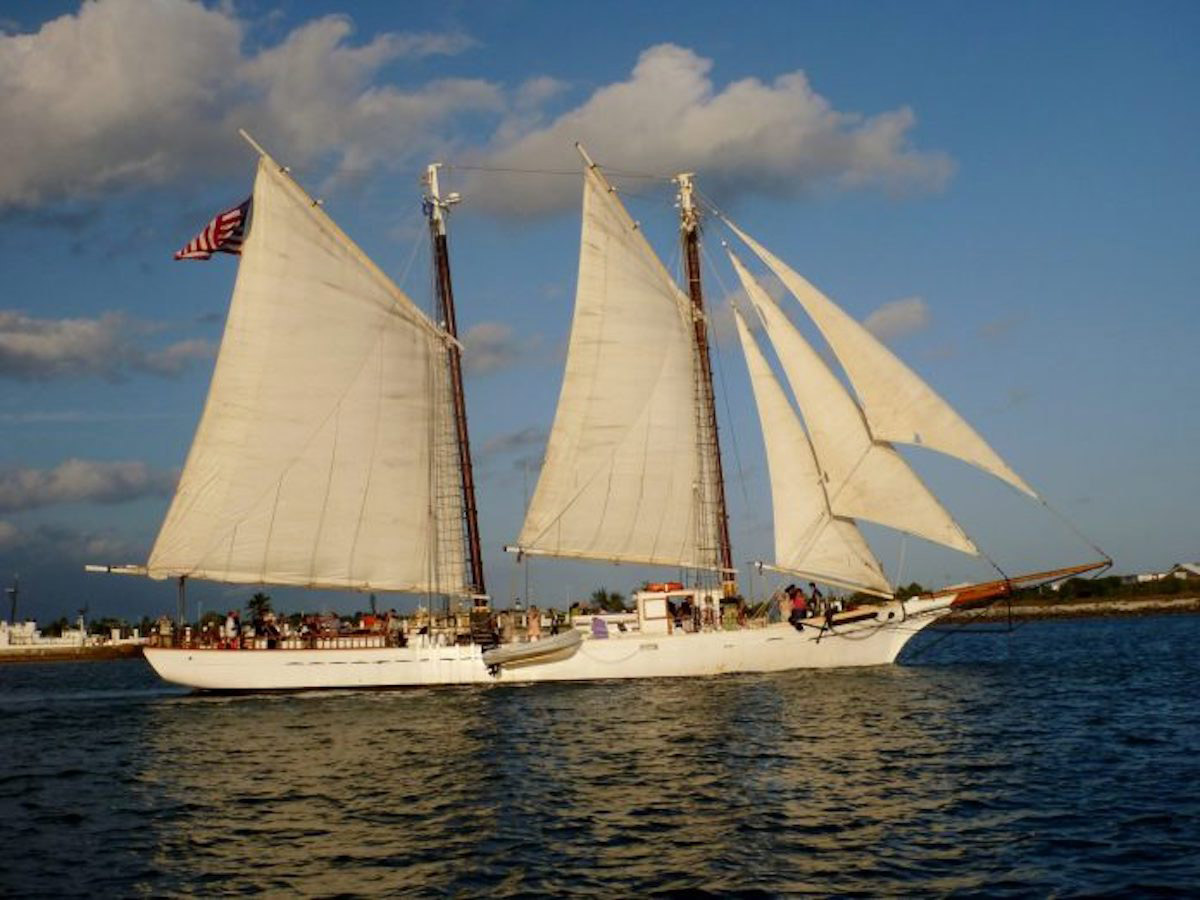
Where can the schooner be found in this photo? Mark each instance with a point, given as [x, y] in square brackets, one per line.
[333, 452]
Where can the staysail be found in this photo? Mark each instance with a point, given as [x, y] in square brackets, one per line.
[809, 539]
[864, 478]
[899, 406]
[324, 457]
[619, 481]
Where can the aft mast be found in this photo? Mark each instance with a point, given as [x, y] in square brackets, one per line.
[712, 481]
[436, 209]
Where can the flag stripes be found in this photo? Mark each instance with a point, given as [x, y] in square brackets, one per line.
[224, 234]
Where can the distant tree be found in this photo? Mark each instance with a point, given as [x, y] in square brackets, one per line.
[609, 601]
[912, 589]
[258, 606]
[57, 627]
[106, 625]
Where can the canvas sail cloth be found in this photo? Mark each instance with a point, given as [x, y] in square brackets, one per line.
[809, 539]
[864, 478]
[899, 406]
[619, 480]
[316, 459]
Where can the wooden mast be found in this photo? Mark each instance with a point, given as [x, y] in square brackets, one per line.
[689, 217]
[436, 209]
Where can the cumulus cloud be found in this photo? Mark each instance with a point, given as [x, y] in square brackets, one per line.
[81, 481]
[492, 346]
[898, 319]
[749, 136]
[514, 441]
[125, 92]
[54, 544]
[110, 346]
[128, 93]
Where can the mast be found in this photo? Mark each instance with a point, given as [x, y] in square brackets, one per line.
[436, 208]
[706, 409]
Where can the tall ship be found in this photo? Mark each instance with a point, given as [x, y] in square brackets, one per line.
[333, 452]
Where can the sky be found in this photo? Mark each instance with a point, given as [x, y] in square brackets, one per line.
[1005, 193]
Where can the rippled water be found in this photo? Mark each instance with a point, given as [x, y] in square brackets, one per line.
[1064, 759]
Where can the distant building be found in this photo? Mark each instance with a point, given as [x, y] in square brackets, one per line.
[1185, 571]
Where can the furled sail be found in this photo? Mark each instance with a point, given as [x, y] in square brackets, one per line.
[324, 456]
[864, 478]
[809, 539]
[619, 480]
[899, 405]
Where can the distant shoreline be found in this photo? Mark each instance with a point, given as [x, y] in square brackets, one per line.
[35, 654]
[1026, 610]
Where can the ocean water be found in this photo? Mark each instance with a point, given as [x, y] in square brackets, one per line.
[1063, 759]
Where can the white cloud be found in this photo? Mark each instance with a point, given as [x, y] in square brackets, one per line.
[523, 439]
[53, 544]
[898, 319]
[126, 92]
[108, 347]
[81, 481]
[749, 136]
[492, 346]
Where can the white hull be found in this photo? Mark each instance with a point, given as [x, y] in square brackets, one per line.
[775, 648]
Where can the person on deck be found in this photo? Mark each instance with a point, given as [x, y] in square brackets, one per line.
[799, 609]
[818, 599]
[533, 624]
[785, 603]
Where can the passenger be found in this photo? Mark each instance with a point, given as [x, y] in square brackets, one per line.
[799, 610]
[710, 616]
[685, 613]
[554, 621]
[676, 616]
[818, 599]
[741, 613]
[533, 624]
[599, 628]
[786, 603]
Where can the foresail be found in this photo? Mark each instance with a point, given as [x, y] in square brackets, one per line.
[898, 404]
[318, 460]
[618, 481]
[864, 478]
[809, 539]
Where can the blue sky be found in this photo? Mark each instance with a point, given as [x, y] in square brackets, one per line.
[1011, 187]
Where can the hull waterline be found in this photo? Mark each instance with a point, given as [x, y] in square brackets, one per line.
[774, 648]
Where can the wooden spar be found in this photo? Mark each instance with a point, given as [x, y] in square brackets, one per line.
[690, 233]
[436, 208]
[985, 592]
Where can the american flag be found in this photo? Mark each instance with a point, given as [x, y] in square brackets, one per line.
[224, 234]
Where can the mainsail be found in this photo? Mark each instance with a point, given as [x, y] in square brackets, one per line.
[620, 478]
[899, 406]
[809, 539]
[864, 478]
[324, 456]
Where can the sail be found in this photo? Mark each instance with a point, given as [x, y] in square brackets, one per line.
[864, 478]
[809, 539]
[324, 456]
[619, 481]
[898, 404]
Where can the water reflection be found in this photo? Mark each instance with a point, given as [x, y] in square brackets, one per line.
[1018, 770]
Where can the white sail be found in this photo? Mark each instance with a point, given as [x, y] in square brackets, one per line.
[898, 404]
[809, 539]
[864, 478]
[319, 459]
[620, 476]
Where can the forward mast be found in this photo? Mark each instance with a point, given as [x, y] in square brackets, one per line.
[714, 516]
[436, 209]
